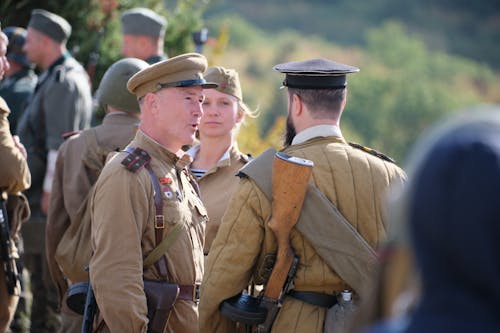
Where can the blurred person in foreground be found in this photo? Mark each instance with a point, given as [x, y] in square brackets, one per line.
[79, 162]
[216, 158]
[20, 79]
[352, 178]
[14, 178]
[449, 215]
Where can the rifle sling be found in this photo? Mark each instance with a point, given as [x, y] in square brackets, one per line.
[336, 241]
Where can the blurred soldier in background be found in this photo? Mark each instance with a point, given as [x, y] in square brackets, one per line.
[20, 79]
[79, 163]
[62, 103]
[143, 33]
[14, 178]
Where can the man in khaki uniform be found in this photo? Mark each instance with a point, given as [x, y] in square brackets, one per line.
[14, 178]
[352, 179]
[79, 162]
[129, 221]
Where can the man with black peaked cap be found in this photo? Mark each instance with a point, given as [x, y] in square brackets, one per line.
[354, 179]
[143, 32]
[62, 103]
[147, 194]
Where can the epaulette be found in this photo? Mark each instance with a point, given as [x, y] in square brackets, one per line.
[372, 152]
[68, 135]
[135, 159]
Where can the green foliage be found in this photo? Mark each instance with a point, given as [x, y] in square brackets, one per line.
[467, 28]
[87, 20]
[404, 88]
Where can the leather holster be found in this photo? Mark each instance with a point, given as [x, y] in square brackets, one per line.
[160, 296]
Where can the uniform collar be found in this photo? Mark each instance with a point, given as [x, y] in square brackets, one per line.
[317, 131]
[156, 150]
[224, 160]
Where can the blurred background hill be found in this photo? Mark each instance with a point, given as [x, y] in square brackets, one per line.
[419, 60]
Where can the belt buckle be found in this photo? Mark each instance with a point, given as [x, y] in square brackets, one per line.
[196, 293]
[159, 222]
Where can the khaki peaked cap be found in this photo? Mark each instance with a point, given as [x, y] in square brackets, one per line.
[184, 70]
[227, 79]
[50, 24]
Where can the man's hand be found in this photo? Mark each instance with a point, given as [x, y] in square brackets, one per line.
[44, 203]
[19, 145]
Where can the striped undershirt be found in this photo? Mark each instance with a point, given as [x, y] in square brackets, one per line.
[198, 172]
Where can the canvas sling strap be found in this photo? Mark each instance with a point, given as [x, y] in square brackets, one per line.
[343, 249]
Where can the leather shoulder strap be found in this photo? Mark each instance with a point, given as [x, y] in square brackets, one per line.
[135, 160]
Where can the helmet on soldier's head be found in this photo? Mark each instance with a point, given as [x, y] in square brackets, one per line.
[113, 87]
[17, 37]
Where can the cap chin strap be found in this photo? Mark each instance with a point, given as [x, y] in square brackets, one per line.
[185, 83]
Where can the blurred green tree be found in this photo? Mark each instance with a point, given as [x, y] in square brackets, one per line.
[96, 25]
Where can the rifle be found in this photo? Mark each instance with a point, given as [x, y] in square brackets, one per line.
[6, 256]
[289, 184]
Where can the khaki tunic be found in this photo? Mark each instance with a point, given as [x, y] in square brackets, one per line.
[14, 177]
[351, 179]
[216, 188]
[123, 235]
[79, 161]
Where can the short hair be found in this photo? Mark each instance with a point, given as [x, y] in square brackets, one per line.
[321, 102]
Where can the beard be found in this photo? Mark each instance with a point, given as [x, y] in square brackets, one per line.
[290, 132]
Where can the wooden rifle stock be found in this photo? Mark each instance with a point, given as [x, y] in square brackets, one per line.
[289, 183]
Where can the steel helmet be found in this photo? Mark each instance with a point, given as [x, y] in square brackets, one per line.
[113, 86]
[17, 37]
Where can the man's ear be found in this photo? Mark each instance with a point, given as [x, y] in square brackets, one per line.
[151, 101]
[297, 106]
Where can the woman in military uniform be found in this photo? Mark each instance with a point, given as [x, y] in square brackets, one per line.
[217, 159]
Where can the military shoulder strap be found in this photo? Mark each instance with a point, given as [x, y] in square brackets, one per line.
[135, 159]
[372, 152]
[338, 243]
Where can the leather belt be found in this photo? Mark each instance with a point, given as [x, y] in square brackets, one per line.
[189, 292]
[314, 298]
